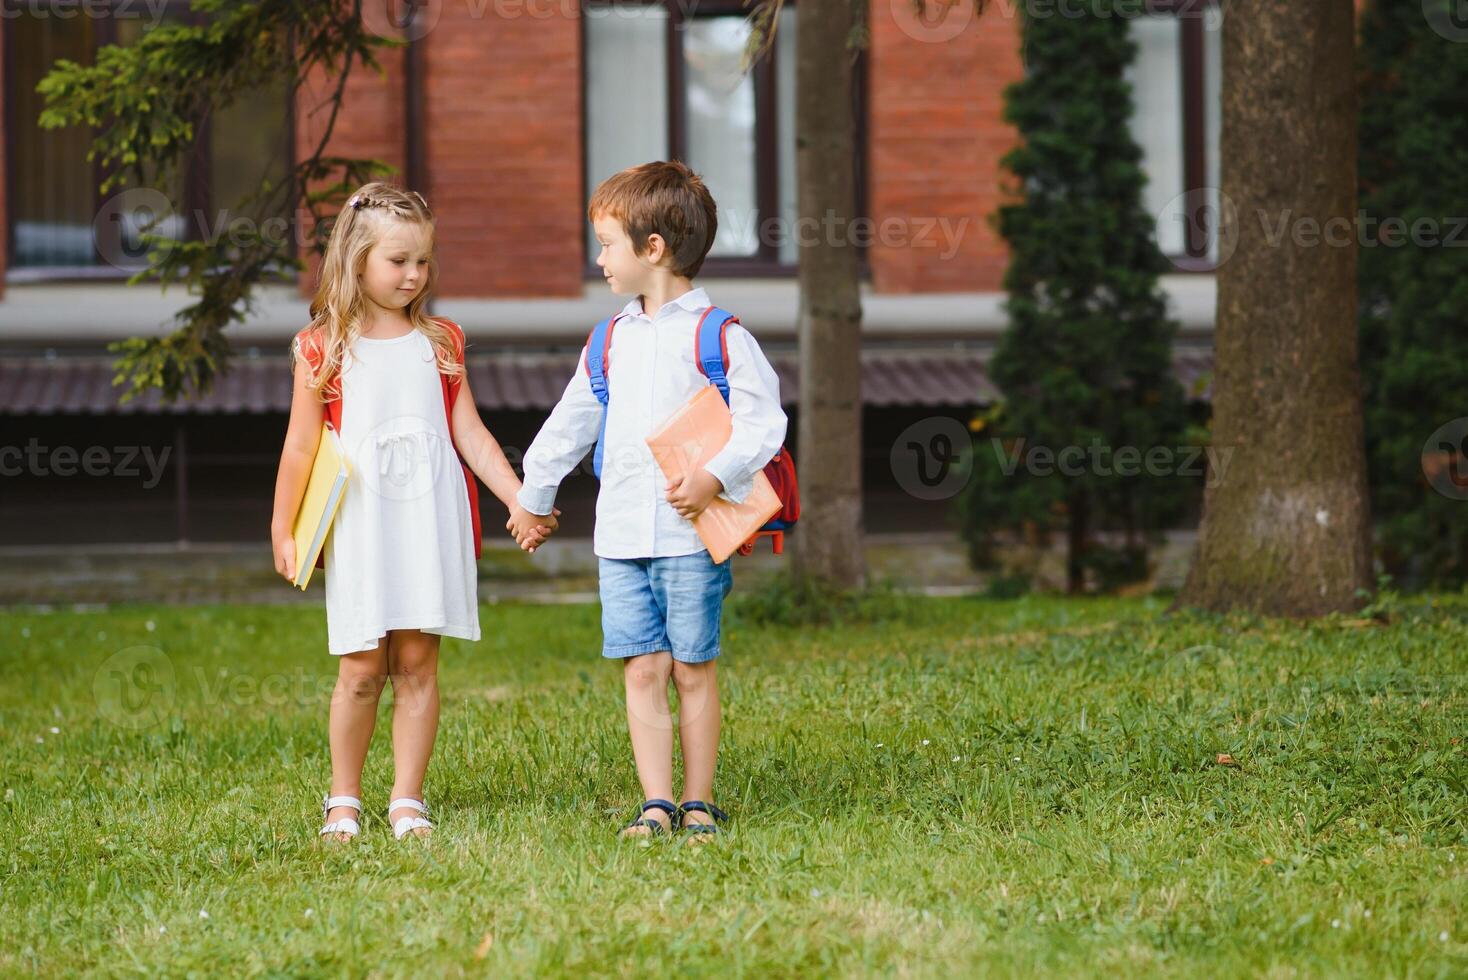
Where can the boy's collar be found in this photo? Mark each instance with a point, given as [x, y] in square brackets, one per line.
[694, 300]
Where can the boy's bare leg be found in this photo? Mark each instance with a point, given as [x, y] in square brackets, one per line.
[699, 718]
[651, 727]
[359, 681]
[413, 666]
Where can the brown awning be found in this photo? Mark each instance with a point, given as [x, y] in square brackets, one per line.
[954, 378]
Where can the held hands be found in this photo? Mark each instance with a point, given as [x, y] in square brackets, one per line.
[692, 495]
[531, 530]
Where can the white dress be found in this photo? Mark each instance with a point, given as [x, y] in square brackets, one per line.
[400, 554]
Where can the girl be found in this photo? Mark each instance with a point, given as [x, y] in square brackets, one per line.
[400, 558]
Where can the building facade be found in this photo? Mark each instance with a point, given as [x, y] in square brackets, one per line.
[505, 114]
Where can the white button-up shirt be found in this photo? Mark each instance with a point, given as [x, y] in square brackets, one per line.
[653, 372]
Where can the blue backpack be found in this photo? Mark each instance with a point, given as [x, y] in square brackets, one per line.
[712, 350]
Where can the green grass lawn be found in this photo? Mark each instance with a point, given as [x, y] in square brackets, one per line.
[936, 787]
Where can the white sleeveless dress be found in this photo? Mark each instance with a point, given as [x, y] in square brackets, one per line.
[400, 554]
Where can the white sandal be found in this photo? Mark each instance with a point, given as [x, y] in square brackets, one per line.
[345, 825]
[403, 826]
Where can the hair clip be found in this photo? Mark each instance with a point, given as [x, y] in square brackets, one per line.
[355, 201]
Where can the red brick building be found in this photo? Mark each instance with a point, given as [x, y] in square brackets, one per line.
[505, 114]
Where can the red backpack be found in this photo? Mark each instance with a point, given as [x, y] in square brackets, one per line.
[310, 347]
[711, 350]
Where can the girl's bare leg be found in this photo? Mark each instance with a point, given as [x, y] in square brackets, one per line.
[359, 682]
[413, 666]
[651, 728]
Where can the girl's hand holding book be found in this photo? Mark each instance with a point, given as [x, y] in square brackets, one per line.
[284, 547]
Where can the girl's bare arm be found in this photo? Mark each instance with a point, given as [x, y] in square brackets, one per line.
[302, 436]
[481, 450]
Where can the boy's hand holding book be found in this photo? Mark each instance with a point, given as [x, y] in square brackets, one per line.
[682, 447]
[691, 495]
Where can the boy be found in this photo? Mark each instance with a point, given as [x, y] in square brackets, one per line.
[661, 592]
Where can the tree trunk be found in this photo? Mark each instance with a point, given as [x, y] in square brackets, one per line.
[829, 543]
[1287, 529]
[1077, 537]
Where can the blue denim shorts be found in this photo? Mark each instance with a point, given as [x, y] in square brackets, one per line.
[673, 604]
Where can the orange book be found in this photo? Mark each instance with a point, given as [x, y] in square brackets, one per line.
[691, 437]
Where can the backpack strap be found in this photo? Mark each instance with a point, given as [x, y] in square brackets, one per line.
[451, 388]
[598, 363]
[309, 344]
[712, 347]
[599, 356]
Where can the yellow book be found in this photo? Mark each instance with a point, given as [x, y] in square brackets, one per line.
[329, 472]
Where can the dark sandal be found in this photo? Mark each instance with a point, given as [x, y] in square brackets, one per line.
[654, 827]
[698, 806]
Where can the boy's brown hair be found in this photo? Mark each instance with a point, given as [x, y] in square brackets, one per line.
[663, 197]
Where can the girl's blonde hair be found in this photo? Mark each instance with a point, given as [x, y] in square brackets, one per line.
[338, 308]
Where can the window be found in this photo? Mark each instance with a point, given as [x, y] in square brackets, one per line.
[663, 82]
[1176, 85]
[59, 223]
